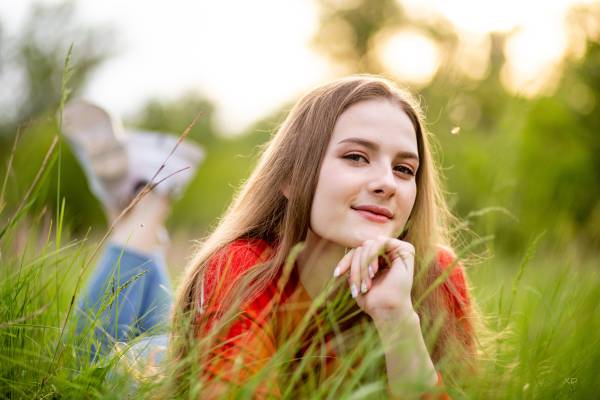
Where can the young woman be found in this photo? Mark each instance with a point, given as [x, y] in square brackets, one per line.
[350, 176]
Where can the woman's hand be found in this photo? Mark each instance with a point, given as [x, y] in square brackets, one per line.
[380, 277]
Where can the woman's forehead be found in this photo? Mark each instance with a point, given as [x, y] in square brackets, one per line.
[379, 121]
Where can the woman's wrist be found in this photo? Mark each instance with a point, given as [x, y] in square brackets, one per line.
[407, 358]
[399, 327]
[393, 317]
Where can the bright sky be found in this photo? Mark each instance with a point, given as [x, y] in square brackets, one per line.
[251, 56]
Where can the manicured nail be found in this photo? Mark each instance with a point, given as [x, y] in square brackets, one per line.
[354, 291]
[336, 272]
[363, 287]
[371, 273]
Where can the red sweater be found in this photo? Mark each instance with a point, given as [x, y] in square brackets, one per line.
[254, 338]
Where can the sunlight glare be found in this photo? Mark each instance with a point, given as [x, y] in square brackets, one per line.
[410, 55]
[533, 58]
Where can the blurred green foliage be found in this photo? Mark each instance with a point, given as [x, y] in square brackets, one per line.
[35, 58]
[536, 159]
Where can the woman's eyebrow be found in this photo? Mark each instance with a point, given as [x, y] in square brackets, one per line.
[375, 147]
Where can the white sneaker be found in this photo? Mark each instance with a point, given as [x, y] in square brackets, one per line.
[95, 138]
[149, 151]
[118, 163]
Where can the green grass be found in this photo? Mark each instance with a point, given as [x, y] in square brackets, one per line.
[547, 314]
[551, 324]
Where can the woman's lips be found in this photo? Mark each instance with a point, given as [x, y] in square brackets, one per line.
[372, 216]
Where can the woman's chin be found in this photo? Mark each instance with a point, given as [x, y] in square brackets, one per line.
[352, 237]
[360, 238]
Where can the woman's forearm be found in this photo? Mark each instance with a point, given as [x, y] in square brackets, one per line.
[410, 371]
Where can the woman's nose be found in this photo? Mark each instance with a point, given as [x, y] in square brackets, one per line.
[383, 182]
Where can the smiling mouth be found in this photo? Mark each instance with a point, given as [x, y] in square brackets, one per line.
[371, 216]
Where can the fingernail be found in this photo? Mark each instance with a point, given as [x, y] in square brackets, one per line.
[354, 291]
[371, 273]
[336, 272]
[363, 287]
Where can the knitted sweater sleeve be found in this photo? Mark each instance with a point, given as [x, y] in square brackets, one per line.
[249, 342]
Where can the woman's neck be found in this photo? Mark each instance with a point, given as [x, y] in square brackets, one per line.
[316, 263]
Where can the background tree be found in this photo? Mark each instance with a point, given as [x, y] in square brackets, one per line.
[33, 62]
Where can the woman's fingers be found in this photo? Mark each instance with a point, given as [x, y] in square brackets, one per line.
[405, 253]
[351, 262]
[344, 264]
[362, 263]
[369, 262]
[365, 259]
[355, 272]
[381, 253]
[395, 248]
[372, 262]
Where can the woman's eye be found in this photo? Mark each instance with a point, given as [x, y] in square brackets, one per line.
[356, 157]
[405, 170]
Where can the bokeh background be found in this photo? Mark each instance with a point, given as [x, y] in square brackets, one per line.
[511, 91]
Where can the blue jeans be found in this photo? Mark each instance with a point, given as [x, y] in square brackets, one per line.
[128, 294]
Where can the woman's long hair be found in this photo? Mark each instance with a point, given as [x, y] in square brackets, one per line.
[292, 159]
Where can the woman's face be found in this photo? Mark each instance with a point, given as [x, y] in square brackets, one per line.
[367, 183]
